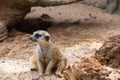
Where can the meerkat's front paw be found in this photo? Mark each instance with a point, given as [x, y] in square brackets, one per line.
[40, 73]
[33, 69]
[58, 74]
[47, 73]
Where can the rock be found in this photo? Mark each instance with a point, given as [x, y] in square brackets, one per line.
[53, 2]
[97, 3]
[61, 14]
[112, 6]
[3, 32]
[13, 11]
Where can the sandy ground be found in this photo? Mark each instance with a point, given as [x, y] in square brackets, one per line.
[74, 41]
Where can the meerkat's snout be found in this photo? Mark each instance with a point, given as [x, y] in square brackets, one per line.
[33, 39]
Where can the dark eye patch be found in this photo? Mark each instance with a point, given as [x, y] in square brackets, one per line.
[37, 35]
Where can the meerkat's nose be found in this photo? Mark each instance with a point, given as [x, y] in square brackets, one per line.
[33, 39]
[30, 38]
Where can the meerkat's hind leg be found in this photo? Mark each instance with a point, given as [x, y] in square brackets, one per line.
[34, 68]
[49, 67]
[60, 67]
[33, 63]
[40, 67]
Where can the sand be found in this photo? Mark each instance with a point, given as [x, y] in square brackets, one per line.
[73, 40]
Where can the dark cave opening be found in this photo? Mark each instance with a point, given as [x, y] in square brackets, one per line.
[30, 25]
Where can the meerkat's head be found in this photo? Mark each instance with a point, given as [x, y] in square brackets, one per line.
[40, 36]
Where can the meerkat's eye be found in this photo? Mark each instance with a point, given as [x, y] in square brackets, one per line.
[37, 35]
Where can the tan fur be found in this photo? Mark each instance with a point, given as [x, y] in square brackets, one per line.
[47, 58]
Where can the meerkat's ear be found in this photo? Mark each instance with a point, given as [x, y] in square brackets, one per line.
[47, 38]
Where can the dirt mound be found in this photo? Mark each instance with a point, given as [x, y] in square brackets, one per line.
[87, 69]
[17, 44]
[109, 53]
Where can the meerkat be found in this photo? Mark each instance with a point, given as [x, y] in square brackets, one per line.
[47, 56]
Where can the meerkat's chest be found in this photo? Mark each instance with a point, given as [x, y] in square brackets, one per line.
[44, 53]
